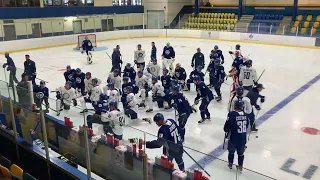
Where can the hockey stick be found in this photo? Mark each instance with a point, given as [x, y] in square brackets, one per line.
[108, 54]
[254, 122]
[196, 163]
[261, 75]
[224, 140]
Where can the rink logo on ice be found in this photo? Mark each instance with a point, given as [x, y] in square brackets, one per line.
[310, 130]
[306, 175]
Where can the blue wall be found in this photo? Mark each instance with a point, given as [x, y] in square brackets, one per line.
[21, 13]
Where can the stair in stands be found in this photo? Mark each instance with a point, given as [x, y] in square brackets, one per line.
[285, 23]
[184, 19]
[243, 23]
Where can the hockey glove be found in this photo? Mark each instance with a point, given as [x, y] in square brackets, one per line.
[222, 62]
[74, 102]
[8, 68]
[4, 65]
[240, 83]
[58, 96]
[231, 52]
[135, 61]
[192, 64]
[196, 101]
[257, 107]
[174, 105]
[121, 62]
[262, 99]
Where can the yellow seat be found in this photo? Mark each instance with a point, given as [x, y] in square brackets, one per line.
[303, 30]
[299, 18]
[235, 21]
[215, 15]
[306, 24]
[233, 15]
[5, 171]
[309, 18]
[293, 30]
[313, 31]
[232, 26]
[318, 18]
[16, 170]
[316, 24]
[296, 23]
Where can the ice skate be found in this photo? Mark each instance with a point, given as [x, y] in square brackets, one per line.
[239, 169]
[147, 120]
[254, 129]
[230, 166]
[84, 111]
[142, 105]
[208, 118]
[218, 99]
[201, 121]
[149, 110]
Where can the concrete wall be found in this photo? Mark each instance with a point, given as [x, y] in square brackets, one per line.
[264, 2]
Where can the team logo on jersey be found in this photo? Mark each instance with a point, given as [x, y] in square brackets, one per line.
[70, 77]
[140, 83]
[153, 69]
[140, 54]
[160, 135]
[40, 95]
[167, 52]
[177, 74]
[164, 82]
[78, 80]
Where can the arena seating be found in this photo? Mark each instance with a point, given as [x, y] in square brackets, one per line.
[306, 25]
[212, 21]
[12, 171]
[265, 23]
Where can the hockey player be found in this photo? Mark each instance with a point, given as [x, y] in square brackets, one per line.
[182, 106]
[181, 75]
[79, 85]
[196, 72]
[143, 85]
[116, 60]
[237, 49]
[113, 93]
[65, 96]
[219, 53]
[153, 51]
[129, 72]
[88, 83]
[248, 76]
[114, 77]
[155, 94]
[213, 55]
[41, 94]
[154, 68]
[238, 62]
[87, 47]
[217, 75]
[247, 108]
[139, 56]
[93, 98]
[70, 74]
[206, 96]
[30, 68]
[197, 59]
[130, 104]
[100, 108]
[254, 95]
[168, 56]
[236, 128]
[169, 137]
[165, 79]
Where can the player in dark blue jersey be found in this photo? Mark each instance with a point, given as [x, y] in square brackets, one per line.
[236, 127]
[153, 51]
[254, 95]
[87, 47]
[165, 79]
[41, 94]
[69, 75]
[79, 83]
[169, 137]
[197, 59]
[182, 106]
[219, 53]
[168, 56]
[196, 72]
[100, 107]
[217, 74]
[181, 75]
[213, 55]
[205, 95]
[237, 63]
[129, 72]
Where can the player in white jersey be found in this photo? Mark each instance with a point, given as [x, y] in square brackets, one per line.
[112, 92]
[154, 68]
[248, 76]
[115, 120]
[139, 55]
[156, 94]
[130, 105]
[247, 108]
[65, 96]
[115, 78]
[93, 98]
[88, 83]
[142, 83]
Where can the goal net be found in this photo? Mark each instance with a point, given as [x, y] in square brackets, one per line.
[91, 37]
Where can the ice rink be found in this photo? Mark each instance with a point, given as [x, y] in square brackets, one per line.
[291, 89]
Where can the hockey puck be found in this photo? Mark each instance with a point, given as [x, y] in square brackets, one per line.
[257, 136]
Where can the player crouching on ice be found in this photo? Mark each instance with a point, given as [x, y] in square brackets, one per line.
[217, 74]
[65, 96]
[196, 72]
[94, 97]
[170, 138]
[41, 94]
[87, 46]
[168, 56]
[156, 94]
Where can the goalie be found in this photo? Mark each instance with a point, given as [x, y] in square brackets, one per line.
[87, 47]
[65, 96]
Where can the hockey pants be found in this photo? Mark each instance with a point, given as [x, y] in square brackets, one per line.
[183, 118]
[252, 119]
[204, 112]
[168, 64]
[240, 151]
[131, 113]
[177, 156]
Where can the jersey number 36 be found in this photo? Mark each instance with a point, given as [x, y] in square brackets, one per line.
[242, 126]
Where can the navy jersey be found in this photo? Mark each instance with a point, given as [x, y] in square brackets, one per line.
[168, 52]
[217, 73]
[87, 45]
[181, 102]
[238, 63]
[101, 107]
[80, 79]
[180, 74]
[213, 57]
[134, 87]
[237, 125]
[153, 52]
[203, 91]
[40, 92]
[220, 55]
[130, 73]
[70, 75]
[195, 72]
[168, 136]
[166, 81]
[198, 59]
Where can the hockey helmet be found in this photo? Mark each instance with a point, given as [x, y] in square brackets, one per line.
[178, 65]
[139, 45]
[94, 80]
[110, 85]
[153, 60]
[168, 44]
[216, 47]
[158, 117]
[140, 72]
[88, 73]
[238, 46]
[175, 88]
[174, 81]
[239, 90]
[113, 104]
[196, 78]
[103, 96]
[42, 82]
[248, 63]
[128, 88]
[200, 67]
[165, 70]
[128, 65]
[125, 79]
[68, 67]
[198, 49]
[154, 78]
[116, 71]
[69, 83]
[239, 104]
[78, 70]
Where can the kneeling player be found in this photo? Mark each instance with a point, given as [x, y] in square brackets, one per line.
[65, 96]
[143, 84]
[196, 72]
[42, 94]
[114, 93]
[100, 108]
[115, 78]
[181, 75]
[94, 97]
[130, 104]
[156, 94]
[87, 46]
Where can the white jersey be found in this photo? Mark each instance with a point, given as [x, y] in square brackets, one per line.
[95, 94]
[68, 94]
[157, 89]
[116, 81]
[247, 108]
[132, 102]
[248, 75]
[116, 119]
[155, 69]
[140, 82]
[114, 95]
[88, 84]
[148, 75]
[139, 56]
